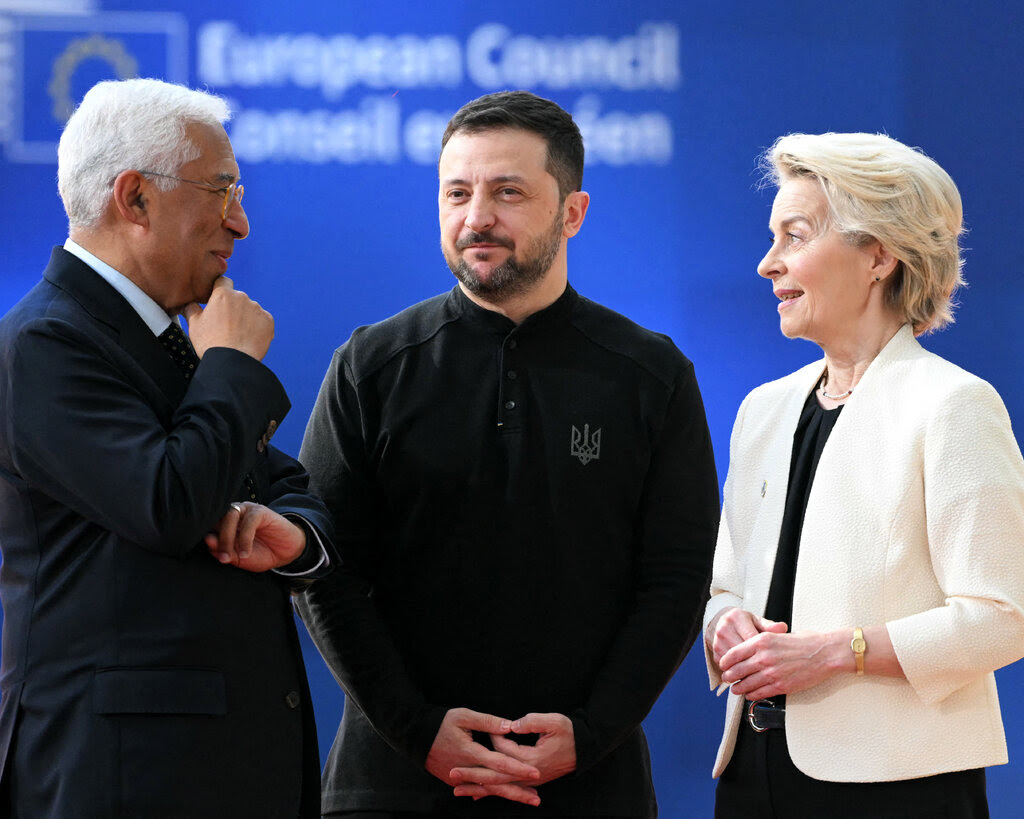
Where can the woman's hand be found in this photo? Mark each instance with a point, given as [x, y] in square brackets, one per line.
[732, 627]
[771, 662]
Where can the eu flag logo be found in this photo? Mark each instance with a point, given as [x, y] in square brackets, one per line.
[53, 61]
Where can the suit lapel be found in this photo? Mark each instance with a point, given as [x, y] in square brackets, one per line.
[127, 328]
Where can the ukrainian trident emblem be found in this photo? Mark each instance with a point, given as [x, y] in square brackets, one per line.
[585, 445]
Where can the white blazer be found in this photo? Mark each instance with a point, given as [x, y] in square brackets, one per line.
[915, 519]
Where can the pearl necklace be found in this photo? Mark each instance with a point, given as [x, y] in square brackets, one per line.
[839, 397]
[825, 393]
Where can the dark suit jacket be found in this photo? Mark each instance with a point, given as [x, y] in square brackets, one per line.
[139, 676]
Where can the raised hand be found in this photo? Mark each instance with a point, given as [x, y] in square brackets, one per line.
[230, 319]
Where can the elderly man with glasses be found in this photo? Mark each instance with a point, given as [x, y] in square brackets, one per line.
[150, 535]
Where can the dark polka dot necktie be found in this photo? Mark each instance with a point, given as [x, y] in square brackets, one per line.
[180, 349]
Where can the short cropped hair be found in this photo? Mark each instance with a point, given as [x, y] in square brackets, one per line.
[880, 189]
[137, 124]
[528, 112]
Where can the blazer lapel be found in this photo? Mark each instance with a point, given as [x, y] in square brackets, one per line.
[861, 412]
[774, 482]
[848, 477]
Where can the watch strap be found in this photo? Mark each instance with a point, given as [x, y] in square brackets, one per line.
[858, 646]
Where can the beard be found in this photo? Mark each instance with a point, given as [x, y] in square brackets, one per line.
[515, 275]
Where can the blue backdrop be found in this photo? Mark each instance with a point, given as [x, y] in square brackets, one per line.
[339, 115]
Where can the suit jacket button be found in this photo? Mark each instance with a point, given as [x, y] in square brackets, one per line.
[292, 699]
[264, 440]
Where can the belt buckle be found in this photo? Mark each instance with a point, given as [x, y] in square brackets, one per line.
[752, 716]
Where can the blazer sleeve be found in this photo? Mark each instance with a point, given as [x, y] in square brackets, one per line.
[727, 577]
[289, 496]
[974, 507]
[83, 431]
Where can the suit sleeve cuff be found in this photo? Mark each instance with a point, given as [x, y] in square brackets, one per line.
[314, 559]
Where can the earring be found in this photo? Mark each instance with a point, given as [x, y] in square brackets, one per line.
[878, 278]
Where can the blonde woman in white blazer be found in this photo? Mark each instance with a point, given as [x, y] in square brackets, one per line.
[869, 573]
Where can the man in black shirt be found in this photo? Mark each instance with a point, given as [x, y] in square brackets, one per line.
[527, 505]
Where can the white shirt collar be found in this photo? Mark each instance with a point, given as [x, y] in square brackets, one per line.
[149, 311]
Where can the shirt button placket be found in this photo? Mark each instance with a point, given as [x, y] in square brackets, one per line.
[509, 399]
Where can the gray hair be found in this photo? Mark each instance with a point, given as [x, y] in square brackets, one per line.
[137, 124]
[880, 189]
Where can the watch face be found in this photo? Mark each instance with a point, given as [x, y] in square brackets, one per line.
[858, 646]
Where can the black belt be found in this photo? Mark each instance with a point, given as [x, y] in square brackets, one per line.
[763, 715]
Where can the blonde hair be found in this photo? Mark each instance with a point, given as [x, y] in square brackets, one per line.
[880, 189]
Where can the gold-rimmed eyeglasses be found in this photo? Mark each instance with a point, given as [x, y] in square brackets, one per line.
[231, 193]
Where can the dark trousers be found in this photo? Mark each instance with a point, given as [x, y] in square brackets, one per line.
[761, 782]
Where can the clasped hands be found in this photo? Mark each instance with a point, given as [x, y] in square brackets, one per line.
[255, 538]
[510, 771]
[760, 658]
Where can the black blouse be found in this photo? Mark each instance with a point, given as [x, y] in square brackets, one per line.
[812, 432]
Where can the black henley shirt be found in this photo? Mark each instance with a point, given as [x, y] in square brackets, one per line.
[526, 518]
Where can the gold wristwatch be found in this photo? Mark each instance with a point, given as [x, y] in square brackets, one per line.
[859, 646]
